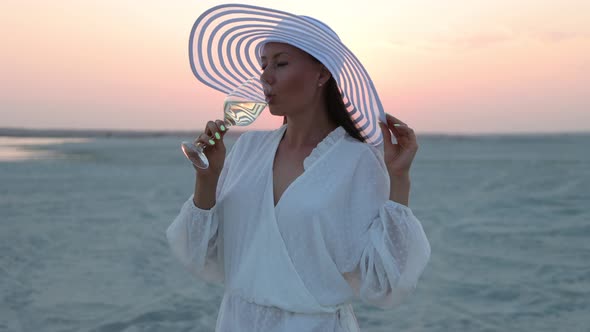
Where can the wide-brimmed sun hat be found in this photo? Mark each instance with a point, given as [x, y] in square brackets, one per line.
[224, 51]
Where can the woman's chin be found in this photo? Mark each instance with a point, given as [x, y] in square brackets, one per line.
[275, 111]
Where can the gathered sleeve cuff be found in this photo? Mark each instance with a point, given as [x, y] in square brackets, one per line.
[193, 239]
[395, 256]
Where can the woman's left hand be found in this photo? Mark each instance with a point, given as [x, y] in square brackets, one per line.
[398, 157]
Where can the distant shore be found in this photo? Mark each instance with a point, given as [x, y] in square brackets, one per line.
[122, 133]
[99, 133]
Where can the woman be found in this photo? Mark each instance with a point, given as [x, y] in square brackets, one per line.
[298, 221]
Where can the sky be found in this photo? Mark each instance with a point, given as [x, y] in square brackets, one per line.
[452, 66]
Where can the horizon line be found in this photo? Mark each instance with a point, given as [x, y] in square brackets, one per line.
[119, 132]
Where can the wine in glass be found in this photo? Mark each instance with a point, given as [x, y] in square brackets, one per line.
[240, 108]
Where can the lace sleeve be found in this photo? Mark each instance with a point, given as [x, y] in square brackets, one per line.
[194, 235]
[394, 249]
[193, 239]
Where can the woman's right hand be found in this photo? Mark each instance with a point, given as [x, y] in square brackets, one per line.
[212, 139]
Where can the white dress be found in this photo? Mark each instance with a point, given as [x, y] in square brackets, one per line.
[333, 236]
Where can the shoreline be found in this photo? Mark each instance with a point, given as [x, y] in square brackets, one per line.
[124, 133]
[97, 133]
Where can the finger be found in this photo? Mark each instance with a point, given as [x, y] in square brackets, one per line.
[222, 130]
[213, 131]
[407, 136]
[205, 140]
[391, 120]
[386, 132]
[222, 127]
[404, 130]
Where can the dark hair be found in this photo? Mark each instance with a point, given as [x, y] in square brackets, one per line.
[337, 110]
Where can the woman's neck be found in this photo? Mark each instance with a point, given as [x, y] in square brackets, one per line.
[307, 130]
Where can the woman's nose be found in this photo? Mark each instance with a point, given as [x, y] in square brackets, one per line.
[266, 77]
[265, 86]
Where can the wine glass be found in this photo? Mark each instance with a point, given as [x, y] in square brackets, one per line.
[240, 108]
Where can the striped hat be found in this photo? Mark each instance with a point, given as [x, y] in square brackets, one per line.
[226, 41]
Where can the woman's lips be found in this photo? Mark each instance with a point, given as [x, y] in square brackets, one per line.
[268, 94]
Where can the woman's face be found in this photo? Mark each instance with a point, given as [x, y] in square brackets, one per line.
[292, 78]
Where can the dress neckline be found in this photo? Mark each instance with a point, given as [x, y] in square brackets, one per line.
[316, 154]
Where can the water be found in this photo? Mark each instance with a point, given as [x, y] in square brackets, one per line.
[83, 248]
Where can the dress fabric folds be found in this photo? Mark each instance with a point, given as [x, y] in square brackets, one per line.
[333, 236]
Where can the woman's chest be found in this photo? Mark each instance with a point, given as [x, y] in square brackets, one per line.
[277, 181]
[287, 168]
[288, 193]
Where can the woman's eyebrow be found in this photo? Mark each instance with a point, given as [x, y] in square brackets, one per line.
[274, 56]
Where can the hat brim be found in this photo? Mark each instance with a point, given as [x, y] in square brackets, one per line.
[225, 44]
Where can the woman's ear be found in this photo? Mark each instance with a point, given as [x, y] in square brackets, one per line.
[324, 76]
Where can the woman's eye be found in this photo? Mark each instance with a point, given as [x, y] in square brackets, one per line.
[282, 64]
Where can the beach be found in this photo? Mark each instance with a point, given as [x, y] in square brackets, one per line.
[83, 220]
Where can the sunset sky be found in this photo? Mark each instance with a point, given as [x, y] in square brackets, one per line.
[441, 66]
